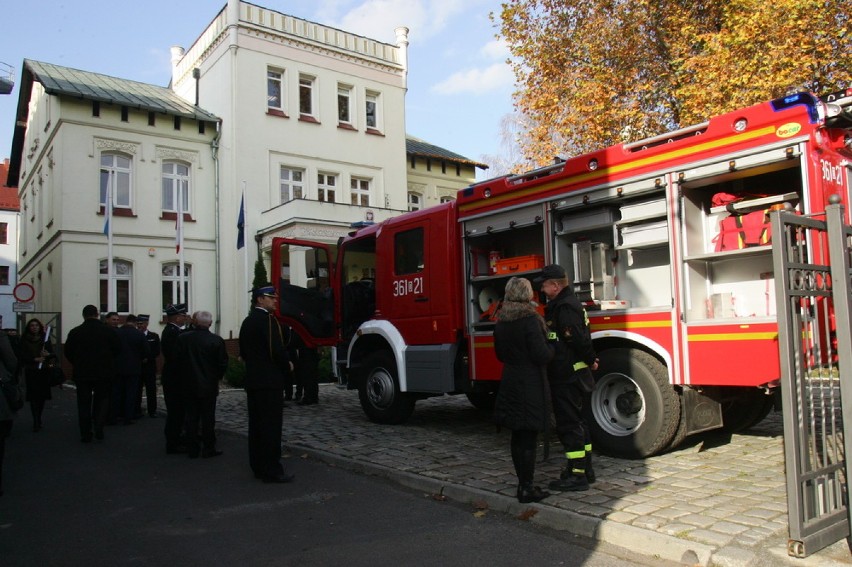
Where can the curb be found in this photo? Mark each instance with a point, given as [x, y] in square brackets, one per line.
[630, 538]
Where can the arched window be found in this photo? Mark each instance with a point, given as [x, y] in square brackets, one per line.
[122, 274]
[415, 201]
[171, 284]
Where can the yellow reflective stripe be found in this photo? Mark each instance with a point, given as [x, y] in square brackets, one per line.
[575, 455]
[600, 326]
[580, 366]
[712, 337]
[588, 447]
[551, 336]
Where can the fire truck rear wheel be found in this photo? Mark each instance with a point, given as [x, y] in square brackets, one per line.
[380, 395]
[633, 412]
[743, 408]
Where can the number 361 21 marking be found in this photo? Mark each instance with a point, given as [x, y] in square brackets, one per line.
[414, 286]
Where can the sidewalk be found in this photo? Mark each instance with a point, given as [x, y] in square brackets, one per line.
[713, 502]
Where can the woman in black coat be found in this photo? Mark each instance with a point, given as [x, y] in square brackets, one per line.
[520, 342]
[34, 353]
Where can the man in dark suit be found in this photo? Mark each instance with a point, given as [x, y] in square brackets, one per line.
[171, 379]
[92, 349]
[263, 349]
[134, 353]
[149, 369]
[205, 359]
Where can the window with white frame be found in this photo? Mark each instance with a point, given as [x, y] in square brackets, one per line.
[275, 89]
[307, 95]
[447, 199]
[122, 274]
[344, 104]
[326, 187]
[415, 201]
[116, 172]
[292, 182]
[360, 191]
[175, 187]
[372, 116]
[171, 287]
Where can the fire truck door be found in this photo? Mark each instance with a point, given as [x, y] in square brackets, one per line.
[305, 288]
[409, 291]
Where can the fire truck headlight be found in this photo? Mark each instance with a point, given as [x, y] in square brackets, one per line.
[486, 193]
[740, 125]
[593, 164]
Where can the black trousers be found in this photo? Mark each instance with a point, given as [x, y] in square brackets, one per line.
[5, 430]
[265, 419]
[175, 414]
[201, 412]
[93, 405]
[149, 382]
[571, 428]
[308, 373]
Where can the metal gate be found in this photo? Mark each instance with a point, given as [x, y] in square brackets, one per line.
[812, 278]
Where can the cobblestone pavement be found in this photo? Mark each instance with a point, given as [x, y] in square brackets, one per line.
[716, 501]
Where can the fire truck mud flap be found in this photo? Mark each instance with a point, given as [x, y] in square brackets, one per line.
[379, 392]
[633, 411]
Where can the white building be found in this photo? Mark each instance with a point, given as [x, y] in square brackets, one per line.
[304, 121]
[79, 133]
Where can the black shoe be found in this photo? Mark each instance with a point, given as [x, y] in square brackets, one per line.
[86, 439]
[570, 483]
[288, 398]
[193, 453]
[152, 415]
[176, 450]
[210, 454]
[531, 494]
[282, 478]
[306, 402]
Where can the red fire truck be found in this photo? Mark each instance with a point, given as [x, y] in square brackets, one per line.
[666, 240]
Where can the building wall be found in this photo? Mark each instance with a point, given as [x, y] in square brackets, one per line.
[62, 224]
[434, 179]
[233, 61]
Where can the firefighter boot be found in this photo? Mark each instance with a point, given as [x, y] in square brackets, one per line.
[572, 478]
[526, 491]
[590, 472]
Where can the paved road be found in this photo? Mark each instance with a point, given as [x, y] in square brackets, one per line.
[125, 502]
[717, 500]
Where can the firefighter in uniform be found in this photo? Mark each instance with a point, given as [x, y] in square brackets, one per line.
[570, 376]
[171, 379]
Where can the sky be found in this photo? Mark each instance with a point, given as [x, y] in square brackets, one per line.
[459, 85]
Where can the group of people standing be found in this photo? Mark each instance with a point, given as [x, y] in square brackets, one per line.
[547, 361]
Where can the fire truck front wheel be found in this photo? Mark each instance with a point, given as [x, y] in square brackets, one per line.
[379, 393]
[633, 411]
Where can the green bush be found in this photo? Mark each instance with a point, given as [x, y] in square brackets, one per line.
[235, 375]
[324, 372]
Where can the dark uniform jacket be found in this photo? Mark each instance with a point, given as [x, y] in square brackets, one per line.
[153, 340]
[569, 331]
[92, 348]
[264, 351]
[169, 345]
[520, 342]
[204, 360]
[134, 349]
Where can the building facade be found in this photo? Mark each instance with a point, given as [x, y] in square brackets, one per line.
[9, 212]
[301, 124]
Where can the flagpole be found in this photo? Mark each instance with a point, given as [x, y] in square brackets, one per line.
[245, 236]
[181, 279]
[111, 299]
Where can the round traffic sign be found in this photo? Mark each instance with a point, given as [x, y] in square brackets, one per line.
[24, 292]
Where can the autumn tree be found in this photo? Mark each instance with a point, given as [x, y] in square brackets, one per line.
[592, 73]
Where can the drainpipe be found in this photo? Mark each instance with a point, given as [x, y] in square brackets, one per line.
[214, 146]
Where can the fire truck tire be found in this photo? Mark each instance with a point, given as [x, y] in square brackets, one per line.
[633, 411]
[745, 408]
[381, 398]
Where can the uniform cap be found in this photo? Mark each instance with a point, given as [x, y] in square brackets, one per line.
[267, 290]
[143, 318]
[172, 309]
[550, 272]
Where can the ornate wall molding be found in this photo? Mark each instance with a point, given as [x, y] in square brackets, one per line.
[116, 145]
[162, 153]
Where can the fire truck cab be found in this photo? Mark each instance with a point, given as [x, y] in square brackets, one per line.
[666, 241]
